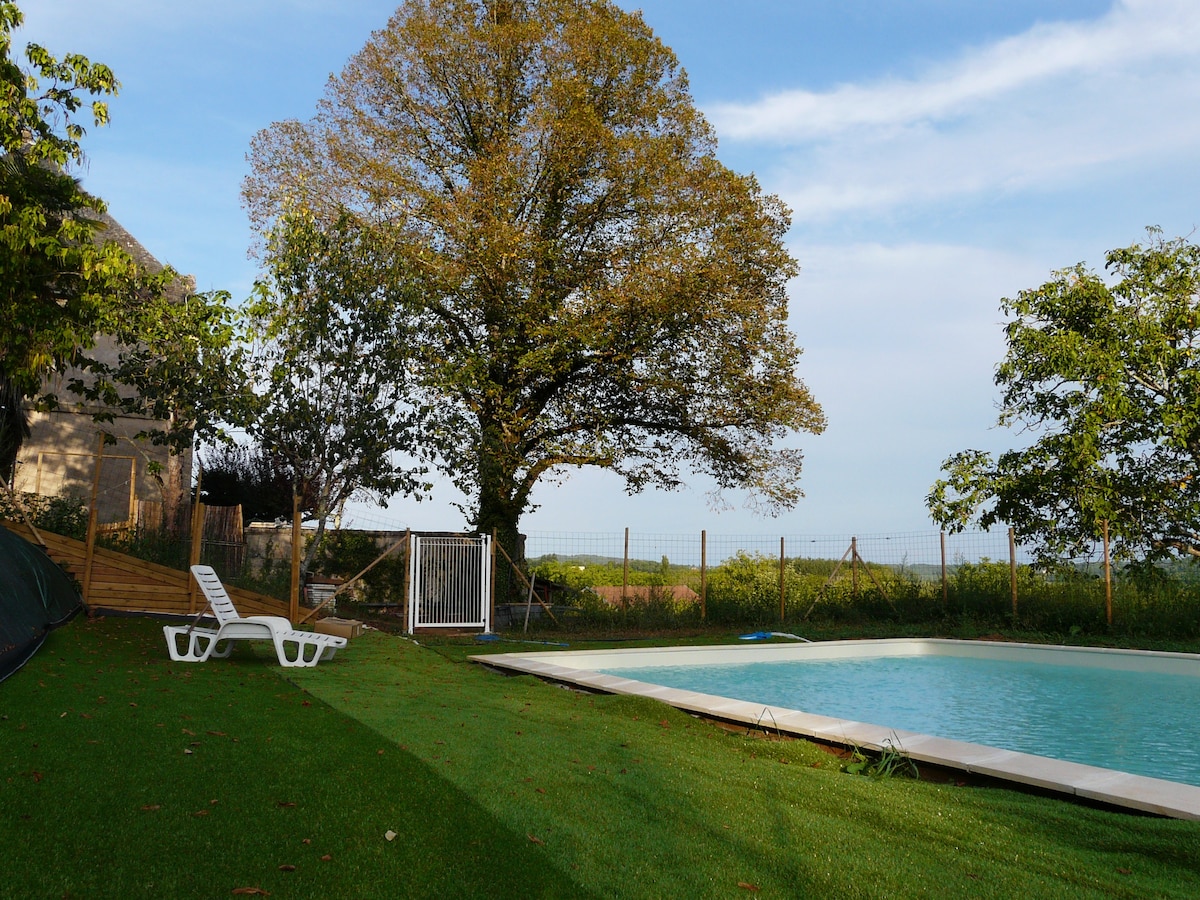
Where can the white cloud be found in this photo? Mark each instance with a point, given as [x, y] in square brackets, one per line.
[1133, 34]
[1053, 108]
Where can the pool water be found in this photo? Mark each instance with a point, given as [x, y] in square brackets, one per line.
[1139, 722]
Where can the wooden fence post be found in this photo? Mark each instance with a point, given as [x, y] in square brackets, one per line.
[1012, 569]
[625, 572]
[1107, 577]
[294, 593]
[90, 551]
[703, 575]
[408, 567]
[945, 588]
[782, 581]
[854, 568]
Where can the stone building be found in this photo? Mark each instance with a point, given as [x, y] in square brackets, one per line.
[59, 458]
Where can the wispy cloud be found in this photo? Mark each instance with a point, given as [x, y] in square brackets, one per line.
[1050, 106]
[1135, 33]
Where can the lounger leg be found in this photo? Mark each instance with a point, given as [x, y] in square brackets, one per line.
[200, 643]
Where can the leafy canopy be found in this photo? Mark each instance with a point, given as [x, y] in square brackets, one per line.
[327, 403]
[588, 284]
[1107, 374]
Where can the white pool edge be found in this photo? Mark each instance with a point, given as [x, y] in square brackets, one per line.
[1151, 795]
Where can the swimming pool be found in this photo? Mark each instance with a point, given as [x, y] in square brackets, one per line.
[1130, 719]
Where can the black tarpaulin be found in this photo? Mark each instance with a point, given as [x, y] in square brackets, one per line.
[35, 596]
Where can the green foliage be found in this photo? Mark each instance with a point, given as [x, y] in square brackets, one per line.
[585, 283]
[61, 515]
[890, 761]
[179, 356]
[1108, 376]
[60, 284]
[330, 397]
[252, 478]
[346, 553]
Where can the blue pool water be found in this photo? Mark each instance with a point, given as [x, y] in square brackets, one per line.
[1139, 722]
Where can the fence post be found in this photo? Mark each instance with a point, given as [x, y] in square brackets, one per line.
[1107, 577]
[625, 572]
[492, 600]
[90, 550]
[408, 571]
[703, 575]
[1012, 569]
[945, 589]
[194, 551]
[294, 593]
[854, 567]
[782, 582]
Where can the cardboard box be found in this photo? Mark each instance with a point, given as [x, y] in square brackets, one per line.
[347, 628]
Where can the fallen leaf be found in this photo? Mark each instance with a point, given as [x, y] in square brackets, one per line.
[200, 812]
[252, 890]
[326, 858]
[540, 790]
[286, 867]
[188, 731]
[380, 752]
[1125, 871]
[536, 840]
[151, 807]
[390, 835]
[187, 750]
[217, 733]
[745, 885]
[306, 841]
[285, 803]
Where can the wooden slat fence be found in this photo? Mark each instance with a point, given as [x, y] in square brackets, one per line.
[121, 582]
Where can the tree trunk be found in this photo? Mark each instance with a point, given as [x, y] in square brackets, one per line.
[501, 503]
[14, 426]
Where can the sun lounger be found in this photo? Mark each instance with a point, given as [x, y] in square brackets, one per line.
[294, 647]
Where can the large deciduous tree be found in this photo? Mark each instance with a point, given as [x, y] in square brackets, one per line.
[590, 286]
[1107, 375]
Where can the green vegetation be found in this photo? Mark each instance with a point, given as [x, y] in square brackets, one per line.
[1103, 372]
[122, 774]
[744, 591]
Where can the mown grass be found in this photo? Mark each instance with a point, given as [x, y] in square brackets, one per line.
[496, 786]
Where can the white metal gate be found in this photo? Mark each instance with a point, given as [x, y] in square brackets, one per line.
[450, 582]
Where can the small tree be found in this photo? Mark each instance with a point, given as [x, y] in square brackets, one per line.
[330, 397]
[1108, 376]
[589, 285]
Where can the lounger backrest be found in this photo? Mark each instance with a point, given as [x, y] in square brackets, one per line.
[215, 593]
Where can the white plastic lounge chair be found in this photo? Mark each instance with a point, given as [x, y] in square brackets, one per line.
[309, 647]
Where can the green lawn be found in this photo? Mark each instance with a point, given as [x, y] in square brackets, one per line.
[123, 774]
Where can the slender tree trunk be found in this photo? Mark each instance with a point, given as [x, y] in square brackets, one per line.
[14, 426]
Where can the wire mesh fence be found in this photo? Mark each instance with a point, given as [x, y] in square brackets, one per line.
[914, 551]
[682, 577]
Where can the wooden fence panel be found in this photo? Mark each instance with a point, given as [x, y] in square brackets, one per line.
[124, 583]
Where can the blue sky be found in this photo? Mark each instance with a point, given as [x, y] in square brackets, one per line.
[938, 155]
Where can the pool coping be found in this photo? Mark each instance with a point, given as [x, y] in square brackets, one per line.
[1093, 783]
